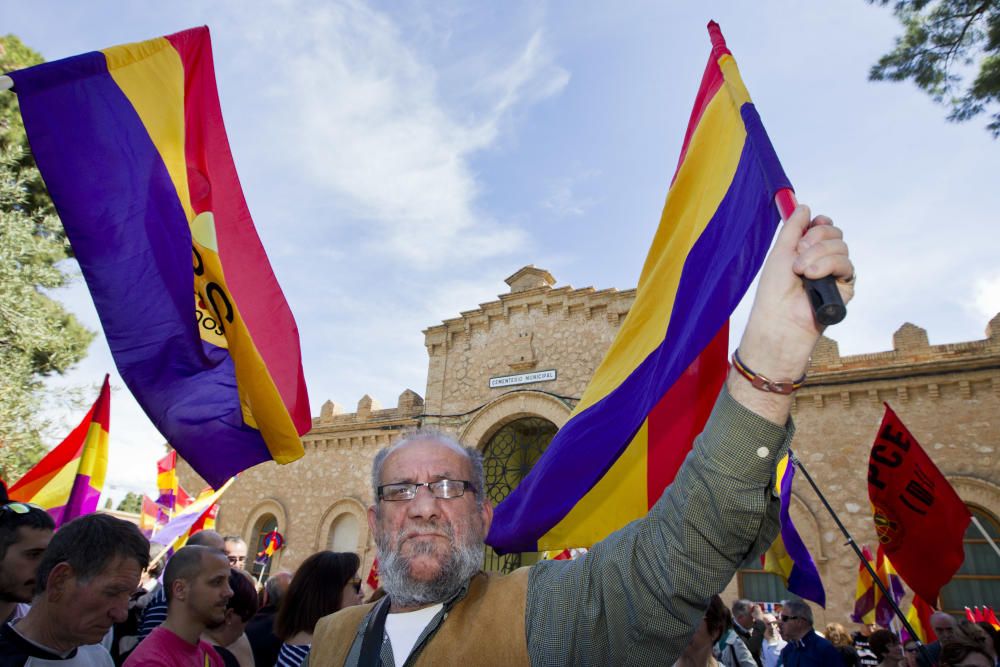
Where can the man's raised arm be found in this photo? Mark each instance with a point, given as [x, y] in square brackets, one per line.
[637, 595]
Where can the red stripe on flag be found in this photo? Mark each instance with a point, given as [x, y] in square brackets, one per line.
[69, 449]
[711, 81]
[681, 414]
[249, 275]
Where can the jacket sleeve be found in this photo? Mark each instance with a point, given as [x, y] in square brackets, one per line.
[637, 596]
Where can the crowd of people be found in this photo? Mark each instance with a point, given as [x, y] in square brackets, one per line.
[746, 636]
[645, 594]
[71, 598]
[86, 596]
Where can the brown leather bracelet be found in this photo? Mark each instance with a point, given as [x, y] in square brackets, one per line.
[764, 384]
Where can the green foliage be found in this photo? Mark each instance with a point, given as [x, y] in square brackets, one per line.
[132, 502]
[14, 55]
[38, 337]
[943, 41]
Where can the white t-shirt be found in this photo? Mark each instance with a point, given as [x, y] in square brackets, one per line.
[404, 629]
[92, 655]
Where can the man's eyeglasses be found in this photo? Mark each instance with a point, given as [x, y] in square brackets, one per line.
[785, 619]
[236, 560]
[442, 488]
[19, 508]
[356, 584]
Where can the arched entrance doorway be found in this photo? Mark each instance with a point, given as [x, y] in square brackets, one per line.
[507, 457]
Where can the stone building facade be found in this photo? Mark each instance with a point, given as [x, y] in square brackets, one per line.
[504, 376]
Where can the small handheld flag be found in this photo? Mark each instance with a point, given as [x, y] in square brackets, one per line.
[788, 557]
[181, 525]
[273, 541]
[919, 618]
[866, 592]
[372, 579]
[68, 481]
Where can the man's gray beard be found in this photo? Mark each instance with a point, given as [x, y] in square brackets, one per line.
[464, 560]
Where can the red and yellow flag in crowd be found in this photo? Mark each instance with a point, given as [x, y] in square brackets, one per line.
[199, 515]
[148, 516]
[870, 605]
[914, 506]
[372, 579]
[919, 618]
[68, 481]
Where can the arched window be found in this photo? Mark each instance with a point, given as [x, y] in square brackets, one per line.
[265, 524]
[507, 458]
[977, 582]
[761, 586]
[344, 533]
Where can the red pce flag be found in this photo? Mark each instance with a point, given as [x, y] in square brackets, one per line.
[919, 518]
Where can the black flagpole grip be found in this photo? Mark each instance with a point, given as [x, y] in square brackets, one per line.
[827, 304]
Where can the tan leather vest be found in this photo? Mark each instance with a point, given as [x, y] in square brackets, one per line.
[486, 627]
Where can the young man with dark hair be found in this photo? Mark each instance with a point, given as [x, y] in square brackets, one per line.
[25, 531]
[196, 582]
[82, 588]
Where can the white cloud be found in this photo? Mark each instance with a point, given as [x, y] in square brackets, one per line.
[986, 296]
[364, 119]
[565, 198]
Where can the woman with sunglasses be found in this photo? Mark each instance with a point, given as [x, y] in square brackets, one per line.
[325, 582]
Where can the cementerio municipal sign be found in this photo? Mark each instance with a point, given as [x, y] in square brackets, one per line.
[523, 378]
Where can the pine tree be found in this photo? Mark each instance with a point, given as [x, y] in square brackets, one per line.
[941, 40]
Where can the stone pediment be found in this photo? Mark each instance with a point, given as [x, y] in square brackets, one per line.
[529, 278]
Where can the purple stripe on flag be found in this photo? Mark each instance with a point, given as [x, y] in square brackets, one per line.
[83, 499]
[167, 500]
[131, 238]
[717, 272]
[57, 514]
[176, 527]
[804, 579]
[774, 174]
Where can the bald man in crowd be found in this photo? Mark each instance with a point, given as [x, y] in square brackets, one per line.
[196, 581]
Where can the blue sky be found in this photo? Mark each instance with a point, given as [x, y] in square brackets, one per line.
[401, 159]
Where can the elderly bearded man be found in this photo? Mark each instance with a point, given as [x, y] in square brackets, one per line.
[636, 597]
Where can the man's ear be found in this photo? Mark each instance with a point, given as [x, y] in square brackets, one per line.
[487, 515]
[60, 580]
[372, 520]
[179, 590]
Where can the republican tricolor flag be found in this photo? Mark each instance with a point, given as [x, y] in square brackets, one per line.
[199, 515]
[149, 515]
[166, 482]
[273, 541]
[654, 390]
[919, 618]
[788, 556]
[132, 147]
[69, 480]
